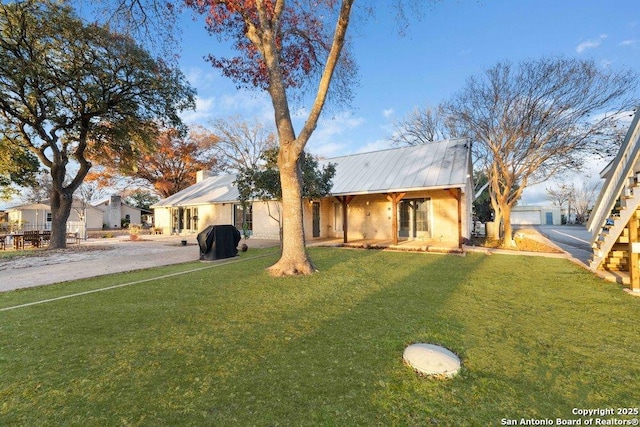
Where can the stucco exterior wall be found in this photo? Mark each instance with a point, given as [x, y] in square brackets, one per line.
[162, 219]
[214, 215]
[444, 216]
[371, 216]
[264, 226]
[135, 216]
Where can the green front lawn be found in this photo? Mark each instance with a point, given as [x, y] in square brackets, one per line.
[232, 346]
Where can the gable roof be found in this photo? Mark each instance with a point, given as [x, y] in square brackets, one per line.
[216, 189]
[438, 165]
[105, 201]
[46, 205]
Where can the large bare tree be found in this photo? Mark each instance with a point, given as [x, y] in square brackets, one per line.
[421, 126]
[241, 143]
[532, 120]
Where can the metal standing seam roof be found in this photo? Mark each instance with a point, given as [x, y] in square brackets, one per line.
[216, 189]
[442, 164]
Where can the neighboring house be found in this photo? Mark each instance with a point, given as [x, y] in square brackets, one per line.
[536, 215]
[115, 212]
[615, 219]
[421, 192]
[37, 216]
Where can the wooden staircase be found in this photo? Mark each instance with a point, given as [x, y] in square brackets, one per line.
[615, 219]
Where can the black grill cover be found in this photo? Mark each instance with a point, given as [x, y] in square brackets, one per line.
[218, 241]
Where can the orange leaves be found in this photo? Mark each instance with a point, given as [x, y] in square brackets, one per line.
[170, 164]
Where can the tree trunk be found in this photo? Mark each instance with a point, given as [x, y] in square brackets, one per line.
[497, 220]
[497, 216]
[294, 259]
[508, 230]
[60, 211]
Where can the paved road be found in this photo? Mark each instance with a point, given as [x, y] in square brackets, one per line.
[574, 239]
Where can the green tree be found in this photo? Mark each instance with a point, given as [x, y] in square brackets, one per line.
[67, 87]
[482, 210]
[263, 183]
[18, 167]
[142, 199]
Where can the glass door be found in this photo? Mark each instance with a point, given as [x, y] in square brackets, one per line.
[414, 218]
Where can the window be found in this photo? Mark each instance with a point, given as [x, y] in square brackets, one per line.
[243, 215]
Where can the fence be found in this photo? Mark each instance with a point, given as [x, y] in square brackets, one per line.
[79, 227]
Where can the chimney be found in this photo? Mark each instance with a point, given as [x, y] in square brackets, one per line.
[114, 212]
[202, 175]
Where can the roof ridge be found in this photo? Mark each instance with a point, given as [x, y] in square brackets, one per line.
[403, 147]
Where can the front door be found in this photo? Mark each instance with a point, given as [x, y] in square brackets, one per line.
[316, 219]
[549, 218]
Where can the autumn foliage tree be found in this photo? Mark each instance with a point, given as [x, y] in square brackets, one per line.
[281, 47]
[169, 165]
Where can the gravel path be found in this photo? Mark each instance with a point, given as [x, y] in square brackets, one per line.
[94, 258]
[97, 257]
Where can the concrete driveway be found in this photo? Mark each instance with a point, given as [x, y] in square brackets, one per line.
[96, 257]
[573, 239]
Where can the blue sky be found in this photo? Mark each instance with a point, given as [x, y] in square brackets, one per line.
[452, 41]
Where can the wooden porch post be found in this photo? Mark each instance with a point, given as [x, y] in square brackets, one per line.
[394, 198]
[634, 253]
[459, 199]
[457, 194]
[345, 200]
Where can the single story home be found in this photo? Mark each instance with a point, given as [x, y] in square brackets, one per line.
[421, 192]
[37, 216]
[115, 212]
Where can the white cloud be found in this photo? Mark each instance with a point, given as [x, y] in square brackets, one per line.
[388, 113]
[591, 44]
[631, 43]
[331, 137]
[203, 112]
[199, 78]
[377, 145]
[328, 150]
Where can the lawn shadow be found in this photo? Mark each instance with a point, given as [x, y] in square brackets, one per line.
[236, 346]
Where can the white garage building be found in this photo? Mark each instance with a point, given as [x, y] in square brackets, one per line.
[536, 215]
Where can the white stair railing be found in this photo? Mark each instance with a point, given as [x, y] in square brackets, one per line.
[617, 179]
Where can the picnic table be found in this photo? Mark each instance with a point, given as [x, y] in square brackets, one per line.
[35, 238]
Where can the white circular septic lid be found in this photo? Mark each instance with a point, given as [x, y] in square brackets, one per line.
[430, 359]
